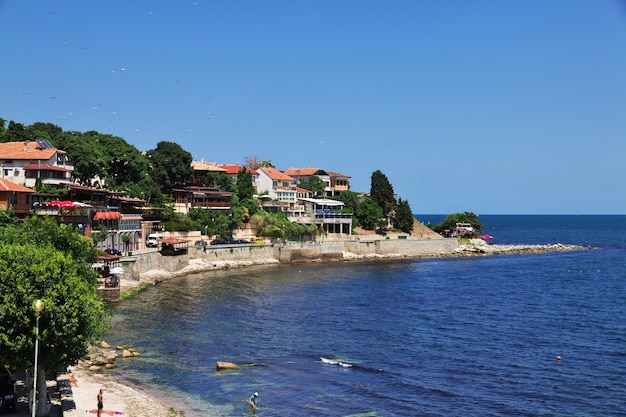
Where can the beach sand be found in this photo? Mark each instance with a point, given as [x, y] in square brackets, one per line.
[118, 397]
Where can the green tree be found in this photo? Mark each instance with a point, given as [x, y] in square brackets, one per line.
[171, 165]
[8, 217]
[17, 133]
[314, 184]
[450, 222]
[245, 189]
[88, 155]
[99, 235]
[381, 192]
[403, 218]
[369, 213]
[350, 199]
[3, 130]
[249, 207]
[219, 180]
[44, 131]
[42, 261]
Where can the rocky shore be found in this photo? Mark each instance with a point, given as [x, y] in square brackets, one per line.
[483, 249]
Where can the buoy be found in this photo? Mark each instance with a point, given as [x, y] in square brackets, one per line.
[558, 358]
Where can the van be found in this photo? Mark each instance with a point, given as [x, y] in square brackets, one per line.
[258, 240]
[153, 240]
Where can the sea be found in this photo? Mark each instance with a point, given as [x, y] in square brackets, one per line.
[500, 335]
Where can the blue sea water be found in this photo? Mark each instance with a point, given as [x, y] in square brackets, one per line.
[473, 336]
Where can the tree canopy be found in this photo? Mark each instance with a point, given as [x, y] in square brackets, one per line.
[169, 165]
[403, 218]
[369, 214]
[40, 260]
[314, 184]
[381, 192]
[450, 222]
[245, 188]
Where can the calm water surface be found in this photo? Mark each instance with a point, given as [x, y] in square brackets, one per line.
[426, 337]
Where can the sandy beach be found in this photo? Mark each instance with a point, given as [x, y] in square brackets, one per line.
[119, 399]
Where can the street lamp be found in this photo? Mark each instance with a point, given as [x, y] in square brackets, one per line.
[38, 308]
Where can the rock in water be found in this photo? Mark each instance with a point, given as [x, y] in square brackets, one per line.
[225, 365]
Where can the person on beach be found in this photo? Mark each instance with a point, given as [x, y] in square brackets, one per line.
[100, 402]
[252, 400]
[72, 377]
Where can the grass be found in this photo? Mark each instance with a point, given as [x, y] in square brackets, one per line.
[173, 412]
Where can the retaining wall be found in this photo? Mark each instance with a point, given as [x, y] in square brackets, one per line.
[291, 252]
[406, 248]
[139, 263]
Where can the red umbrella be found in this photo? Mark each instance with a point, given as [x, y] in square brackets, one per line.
[486, 237]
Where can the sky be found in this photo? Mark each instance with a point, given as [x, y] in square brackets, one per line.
[488, 106]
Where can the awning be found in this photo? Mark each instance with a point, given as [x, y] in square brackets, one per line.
[107, 215]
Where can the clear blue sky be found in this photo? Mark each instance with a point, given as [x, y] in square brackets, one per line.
[495, 107]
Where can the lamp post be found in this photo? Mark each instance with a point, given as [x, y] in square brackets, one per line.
[38, 308]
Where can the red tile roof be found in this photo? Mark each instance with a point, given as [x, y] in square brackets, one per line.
[26, 150]
[275, 174]
[206, 166]
[337, 175]
[106, 215]
[233, 169]
[43, 167]
[11, 186]
[304, 172]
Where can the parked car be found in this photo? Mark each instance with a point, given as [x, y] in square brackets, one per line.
[153, 240]
[218, 242]
[113, 252]
[8, 392]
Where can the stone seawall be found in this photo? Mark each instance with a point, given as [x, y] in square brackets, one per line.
[139, 264]
[152, 265]
[401, 248]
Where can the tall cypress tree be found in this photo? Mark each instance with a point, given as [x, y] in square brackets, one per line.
[382, 193]
[245, 189]
[404, 219]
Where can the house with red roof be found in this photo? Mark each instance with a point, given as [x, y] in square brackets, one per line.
[233, 170]
[26, 162]
[202, 170]
[15, 196]
[277, 190]
[335, 183]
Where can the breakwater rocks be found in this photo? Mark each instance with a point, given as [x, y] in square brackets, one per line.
[103, 356]
[483, 249]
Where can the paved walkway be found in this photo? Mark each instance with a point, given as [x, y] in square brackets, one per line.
[23, 406]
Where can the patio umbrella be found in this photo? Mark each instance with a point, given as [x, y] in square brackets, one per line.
[486, 237]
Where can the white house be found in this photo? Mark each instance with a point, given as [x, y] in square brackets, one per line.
[25, 162]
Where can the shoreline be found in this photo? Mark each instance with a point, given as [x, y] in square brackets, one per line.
[199, 265]
[121, 398]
